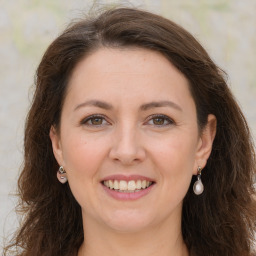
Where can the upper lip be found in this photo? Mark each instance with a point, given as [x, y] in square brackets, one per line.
[127, 177]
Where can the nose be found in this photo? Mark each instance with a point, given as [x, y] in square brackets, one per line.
[127, 147]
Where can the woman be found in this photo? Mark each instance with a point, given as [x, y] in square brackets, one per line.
[153, 155]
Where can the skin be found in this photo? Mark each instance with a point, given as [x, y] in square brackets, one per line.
[127, 140]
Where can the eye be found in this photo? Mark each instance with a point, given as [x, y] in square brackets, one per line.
[94, 120]
[160, 120]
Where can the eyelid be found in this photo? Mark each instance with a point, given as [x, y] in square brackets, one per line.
[151, 117]
[170, 120]
[88, 118]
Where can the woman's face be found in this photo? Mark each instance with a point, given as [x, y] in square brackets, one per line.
[129, 139]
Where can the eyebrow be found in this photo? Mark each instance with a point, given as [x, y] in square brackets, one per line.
[95, 103]
[144, 107]
[158, 104]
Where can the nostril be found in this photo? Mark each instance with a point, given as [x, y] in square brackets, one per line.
[127, 151]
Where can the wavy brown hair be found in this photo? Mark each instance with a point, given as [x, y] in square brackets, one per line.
[221, 221]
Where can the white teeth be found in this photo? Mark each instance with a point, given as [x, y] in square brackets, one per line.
[111, 184]
[124, 186]
[131, 185]
[116, 184]
[138, 184]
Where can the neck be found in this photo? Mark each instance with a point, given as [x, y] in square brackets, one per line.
[165, 240]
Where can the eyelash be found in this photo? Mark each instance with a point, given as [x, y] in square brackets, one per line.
[163, 117]
[150, 118]
[90, 118]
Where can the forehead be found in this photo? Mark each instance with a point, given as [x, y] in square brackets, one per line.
[133, 60]
[131, 73]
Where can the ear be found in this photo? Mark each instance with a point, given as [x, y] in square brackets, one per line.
[56, 145]
[205, 143]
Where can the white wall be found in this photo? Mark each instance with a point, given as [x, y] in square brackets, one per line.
[226, 29]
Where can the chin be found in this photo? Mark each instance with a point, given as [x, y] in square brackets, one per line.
[128, 222]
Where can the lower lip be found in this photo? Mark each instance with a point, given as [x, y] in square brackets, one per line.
[127, 196]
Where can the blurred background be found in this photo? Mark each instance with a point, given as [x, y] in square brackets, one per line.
[226, 28]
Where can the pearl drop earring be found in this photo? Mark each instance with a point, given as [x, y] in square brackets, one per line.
[61, 175]
[198, 187]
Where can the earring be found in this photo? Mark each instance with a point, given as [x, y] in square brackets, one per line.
[198, 187]
[61, 175]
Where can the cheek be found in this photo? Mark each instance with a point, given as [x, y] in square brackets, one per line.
[175, 159]
[177, 152]
[82, 156]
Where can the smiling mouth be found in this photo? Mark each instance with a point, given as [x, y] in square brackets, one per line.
[130, 186]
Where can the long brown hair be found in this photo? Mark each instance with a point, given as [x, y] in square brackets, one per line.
[221, 221]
